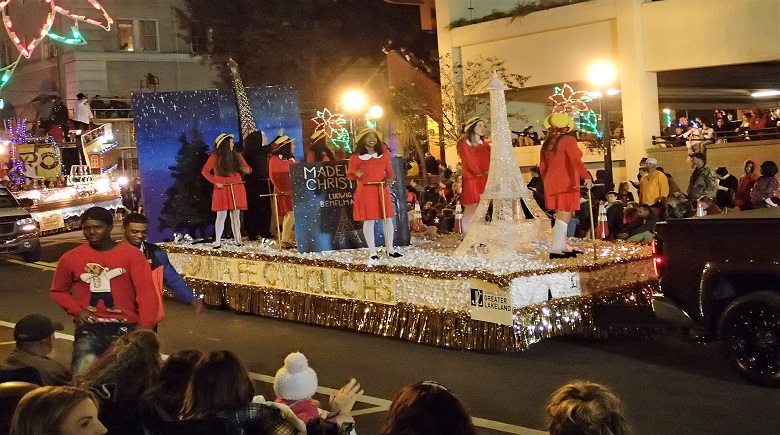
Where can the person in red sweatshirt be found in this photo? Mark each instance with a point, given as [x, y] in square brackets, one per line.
[107, 287]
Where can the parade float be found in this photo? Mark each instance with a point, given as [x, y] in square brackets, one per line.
[34, 170]
[495, 290]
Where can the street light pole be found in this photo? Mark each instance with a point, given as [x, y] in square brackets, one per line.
[606, 140]
[602, 74]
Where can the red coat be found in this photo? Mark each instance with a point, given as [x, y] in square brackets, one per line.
[310, 157]
[561, 171]
[368, 204]
[222, 198]
[476, 162]
[279, 172]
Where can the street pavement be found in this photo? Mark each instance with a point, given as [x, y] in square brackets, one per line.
[668, 385]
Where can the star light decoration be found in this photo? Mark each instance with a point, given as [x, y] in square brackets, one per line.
[333, 126]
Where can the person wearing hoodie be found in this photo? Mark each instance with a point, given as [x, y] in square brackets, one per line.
[745, 185]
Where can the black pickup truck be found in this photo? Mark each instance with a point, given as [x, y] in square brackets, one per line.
[720, 275]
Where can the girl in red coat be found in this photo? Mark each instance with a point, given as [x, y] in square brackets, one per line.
[371, 163]
[560, 163]
[224, 169]
[318, 150]
[279, 172]
[474, 153]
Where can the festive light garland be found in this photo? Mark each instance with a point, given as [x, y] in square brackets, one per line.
[18, 129]
[333, 126]
[45, 30]
[76, 38]
[589, 123]
[341, 140]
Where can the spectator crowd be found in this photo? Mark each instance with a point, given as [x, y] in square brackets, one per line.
[130, 389]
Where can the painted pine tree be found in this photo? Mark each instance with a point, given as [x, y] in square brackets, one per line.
[187, 206]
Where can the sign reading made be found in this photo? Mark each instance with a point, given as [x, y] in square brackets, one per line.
[323, 197]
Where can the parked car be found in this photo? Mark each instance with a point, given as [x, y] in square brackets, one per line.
[18, 229]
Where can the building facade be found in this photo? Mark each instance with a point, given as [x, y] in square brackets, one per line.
[641, 38]
[146, 49]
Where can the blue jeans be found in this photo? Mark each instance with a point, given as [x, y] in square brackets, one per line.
[92, 340]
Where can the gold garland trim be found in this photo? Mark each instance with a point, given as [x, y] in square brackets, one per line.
[435, 327]
[501, 280]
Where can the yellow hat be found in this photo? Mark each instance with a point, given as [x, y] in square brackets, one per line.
[221, 138]
[471, 122]
[280, 142]
[559, 120]
[317, 135]
[366, 131]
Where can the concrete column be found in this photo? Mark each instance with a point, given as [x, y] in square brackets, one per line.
[639, 88]
[443, 19]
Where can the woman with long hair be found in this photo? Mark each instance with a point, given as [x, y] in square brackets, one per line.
[474, 153]
[279, 170]
[57, 411]
[219, 383]
[623, 194]
[586, 408]
[427, 408]
[132, 364]
[220, 387]
[167, 396]
[766, 185]
[370, 164]
[560, 162]
[224, 169]
[318, 150]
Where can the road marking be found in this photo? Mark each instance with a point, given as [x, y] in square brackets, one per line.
[43, 263]
[380, 405]
[24, 263]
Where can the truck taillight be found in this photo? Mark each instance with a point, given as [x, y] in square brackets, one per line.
[659, 263]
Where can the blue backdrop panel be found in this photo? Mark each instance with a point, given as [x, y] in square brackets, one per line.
[161, 118]
[322, 204]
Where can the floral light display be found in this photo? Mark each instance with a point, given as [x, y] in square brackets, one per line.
[575, 103]
[566, 100]
[333, 126]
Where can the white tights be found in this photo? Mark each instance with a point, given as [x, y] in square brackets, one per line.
[235, 225]
[368, 233]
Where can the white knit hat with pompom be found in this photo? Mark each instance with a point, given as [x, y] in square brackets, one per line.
[296, 380]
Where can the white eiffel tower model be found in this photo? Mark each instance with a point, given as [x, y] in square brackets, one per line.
[511, 229]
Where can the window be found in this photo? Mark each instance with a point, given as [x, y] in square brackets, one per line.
[148, 35]
[137, 35]
[124, 29]
[201, 38]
